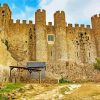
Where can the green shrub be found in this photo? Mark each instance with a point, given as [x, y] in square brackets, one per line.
[97, 64]
[11, 86]
[62, 80]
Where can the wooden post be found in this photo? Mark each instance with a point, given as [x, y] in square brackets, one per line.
[30, 71]
[10, 74]
[39, 76]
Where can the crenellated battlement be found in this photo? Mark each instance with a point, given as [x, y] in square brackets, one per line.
[17, 21]
[95, 16]
[82, 25]
[24, 22]
[59, 19]
[40, 17]
[59, 12]
[40, 11]
[78, 26]
[69, 25]
[4, 5]
[49, 23]
[30, 22]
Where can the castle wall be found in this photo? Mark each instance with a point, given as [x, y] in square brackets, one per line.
[21, 40]
[27, 41]
[80, 49]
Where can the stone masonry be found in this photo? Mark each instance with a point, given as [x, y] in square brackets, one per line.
[28, 41]
[56, 44]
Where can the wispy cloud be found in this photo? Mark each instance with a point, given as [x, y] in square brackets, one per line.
[77, 11]
[52, 7]
[26, 14]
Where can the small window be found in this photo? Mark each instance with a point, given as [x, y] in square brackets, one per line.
[3, 13]
[50, 37]
[89, 54]
[77, 54]
[51, 53]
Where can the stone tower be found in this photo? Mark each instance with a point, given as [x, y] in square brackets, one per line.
[96, 30]
[60, 38]
[5, 16]
[41, 38]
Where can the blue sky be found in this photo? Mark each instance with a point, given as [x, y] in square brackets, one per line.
[77, 11]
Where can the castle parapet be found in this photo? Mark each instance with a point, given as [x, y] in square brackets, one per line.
[70, 25]
[76, 25]
[59, 19]
[59, 12]
[24, 21]
[49, 23]
[17, 21]
[88, 26]
[95, 16]
[30, 22]
[40, 10]
[5, 5]
[40, 17]
[82, 26]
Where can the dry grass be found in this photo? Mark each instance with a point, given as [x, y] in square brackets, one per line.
[88, 91]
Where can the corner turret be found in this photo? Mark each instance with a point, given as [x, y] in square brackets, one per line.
[96, 28]
[59, 19]
[5, 14]
[60, 39]
[41, 44]
[40, 17]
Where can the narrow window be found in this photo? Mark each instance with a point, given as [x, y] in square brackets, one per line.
[3, 13]
[50, 37]
[77, 54]
[89, 54]
[51, 53]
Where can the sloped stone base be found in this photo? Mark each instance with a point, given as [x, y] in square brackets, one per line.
[72, 71]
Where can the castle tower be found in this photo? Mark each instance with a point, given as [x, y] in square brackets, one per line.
[60, 39]
[5, 14]
[96, 30]
[41, 38]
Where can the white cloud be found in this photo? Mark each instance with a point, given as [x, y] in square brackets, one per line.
[52, 7]
[77, 11]
[26, 14]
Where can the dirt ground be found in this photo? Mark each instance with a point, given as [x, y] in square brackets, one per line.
[85, 91]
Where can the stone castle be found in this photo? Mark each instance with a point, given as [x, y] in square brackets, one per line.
[49, 43]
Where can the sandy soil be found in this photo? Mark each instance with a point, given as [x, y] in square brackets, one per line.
[86, 91]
